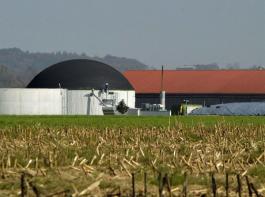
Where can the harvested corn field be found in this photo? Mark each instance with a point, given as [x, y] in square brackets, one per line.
[89, 157]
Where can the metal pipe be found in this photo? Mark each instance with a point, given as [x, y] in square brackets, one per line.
[163, 99]
[162, 93]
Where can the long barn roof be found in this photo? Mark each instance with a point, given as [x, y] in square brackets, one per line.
[198, 81]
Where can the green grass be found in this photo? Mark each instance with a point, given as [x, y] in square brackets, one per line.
[127, 121]
[258, 171]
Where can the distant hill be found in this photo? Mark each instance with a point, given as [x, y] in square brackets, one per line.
[9, 78]
[19, 67]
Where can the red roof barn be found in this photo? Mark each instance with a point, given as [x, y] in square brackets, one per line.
[199, 86]
[198, 81]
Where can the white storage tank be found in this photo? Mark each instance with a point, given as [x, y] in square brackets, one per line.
[65, 88]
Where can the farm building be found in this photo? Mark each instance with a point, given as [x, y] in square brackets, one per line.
[78, 87]
[204, 87]
[74, 87]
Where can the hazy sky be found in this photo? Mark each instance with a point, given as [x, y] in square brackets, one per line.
[156, 32]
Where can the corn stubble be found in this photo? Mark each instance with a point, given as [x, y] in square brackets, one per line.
[100, 162]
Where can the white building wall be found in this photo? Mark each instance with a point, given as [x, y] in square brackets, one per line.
[94, 105]
[19, 101]
[127, 96]
[79, 102]
[16, 101]
[76, 102]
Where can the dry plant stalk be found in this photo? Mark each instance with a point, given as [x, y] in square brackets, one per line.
[197, 150]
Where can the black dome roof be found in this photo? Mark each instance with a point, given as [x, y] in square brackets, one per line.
[80, 74]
